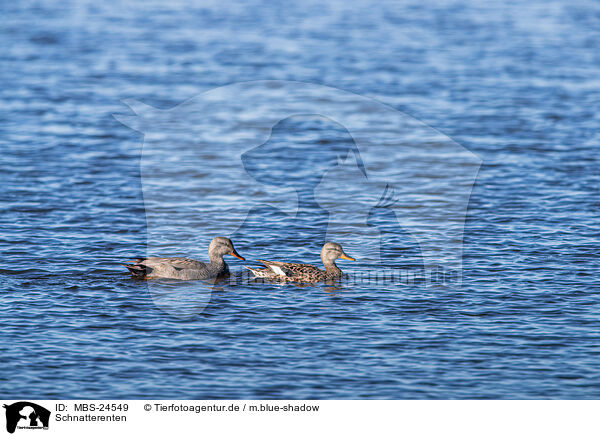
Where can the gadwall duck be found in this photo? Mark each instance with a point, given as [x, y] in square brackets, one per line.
[304, 273]
[186, 269]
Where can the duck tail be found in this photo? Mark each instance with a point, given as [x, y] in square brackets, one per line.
[261, 273]
[137, 270]
[136, 260]
[255, 271]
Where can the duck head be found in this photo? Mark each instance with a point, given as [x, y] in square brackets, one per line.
[221, 246]
[332, 251]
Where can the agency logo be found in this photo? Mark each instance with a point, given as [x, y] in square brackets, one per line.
[26, 415]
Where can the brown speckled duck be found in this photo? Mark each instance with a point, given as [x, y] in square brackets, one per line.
[304, 273]
[186, 269]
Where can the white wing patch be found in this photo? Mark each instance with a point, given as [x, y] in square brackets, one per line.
[277, 270]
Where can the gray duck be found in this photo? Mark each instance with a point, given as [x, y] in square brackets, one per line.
[182, 268]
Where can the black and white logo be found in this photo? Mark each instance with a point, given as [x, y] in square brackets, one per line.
[26, 415]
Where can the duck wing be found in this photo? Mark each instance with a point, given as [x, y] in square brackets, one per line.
[178, 263]
[263, 273]
[281, 269]
[293, 271]
[166, 267]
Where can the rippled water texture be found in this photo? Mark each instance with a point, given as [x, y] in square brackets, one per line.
[491, 127]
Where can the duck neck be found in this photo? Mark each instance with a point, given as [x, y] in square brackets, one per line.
[331, 267]
[217, 261]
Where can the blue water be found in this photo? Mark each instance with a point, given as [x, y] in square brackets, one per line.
[516, 83]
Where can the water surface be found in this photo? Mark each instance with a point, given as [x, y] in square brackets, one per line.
[515, 83]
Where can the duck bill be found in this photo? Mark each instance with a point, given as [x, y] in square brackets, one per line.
[346, 257]
[235, 254]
